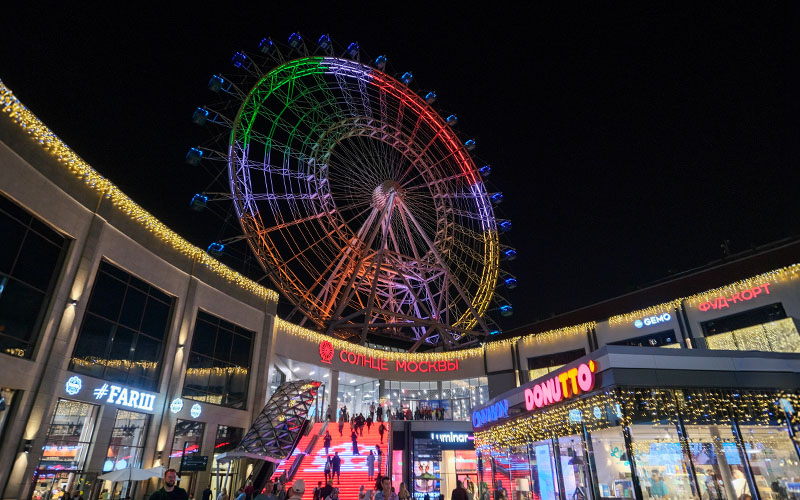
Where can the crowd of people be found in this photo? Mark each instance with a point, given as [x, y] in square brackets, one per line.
[379, 414]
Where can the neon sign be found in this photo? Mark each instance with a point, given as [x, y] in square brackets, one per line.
[176, 405]
[73, 385]
[451, 437]
[491, 413]
[652, 320]
[744, 295]
[195, 410]
[565, 385]
[326, 354]
[130, 398]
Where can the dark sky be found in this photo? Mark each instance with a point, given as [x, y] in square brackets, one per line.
[629, 140]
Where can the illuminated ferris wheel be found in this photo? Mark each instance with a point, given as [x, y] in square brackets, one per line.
[359, 200]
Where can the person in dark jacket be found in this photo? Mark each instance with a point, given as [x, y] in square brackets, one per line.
[460, 493]
[170, 490]
[327, 442]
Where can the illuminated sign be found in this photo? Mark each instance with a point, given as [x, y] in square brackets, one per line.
[326, 354]
[565, 385]
[73, 385]
[652, 320]
[743, 296]
[195, 411]
[129, 398]
[491, 413]
[451, 437]
[176, 405]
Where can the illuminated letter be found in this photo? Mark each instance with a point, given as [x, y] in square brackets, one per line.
[384, 365]
[573, 377]
[547, 392]
[722, 302]
[400, 365]
[563, 378]
[756, 291]
[529, 405]
[352, 358]
[705, 306]
[475, 420]
[412, 366]
[737, 297]
[585, 378]
[765, 286]
[537, 395]
[423, 367]
[123, 397]
[133, 400]
[745, 293]
[343, 356]
[452, 365]
[555, 388]
[112, 393]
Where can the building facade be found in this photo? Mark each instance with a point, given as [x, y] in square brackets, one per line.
[123, 345]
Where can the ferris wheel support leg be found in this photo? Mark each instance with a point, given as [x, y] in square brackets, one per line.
[455, 284]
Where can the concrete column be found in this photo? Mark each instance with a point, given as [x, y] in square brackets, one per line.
[334, 388]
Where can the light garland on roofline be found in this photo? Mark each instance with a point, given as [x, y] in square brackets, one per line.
[775, 276]
[641, 313]
[284, 326]
[39, 132]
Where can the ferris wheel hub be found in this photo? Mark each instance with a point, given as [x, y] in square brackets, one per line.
[384, 191]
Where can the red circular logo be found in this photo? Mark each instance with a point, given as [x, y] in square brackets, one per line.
[326, 351]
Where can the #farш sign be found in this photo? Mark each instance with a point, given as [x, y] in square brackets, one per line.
[114, 394]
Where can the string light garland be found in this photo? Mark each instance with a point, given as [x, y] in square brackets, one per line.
[667, 307]
[38, 131]
[284, 326]
[627, 406]
[775, 276]
[558, 333]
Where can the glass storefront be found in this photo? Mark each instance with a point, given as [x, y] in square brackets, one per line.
[438, 460]
[186, 441]
[227, 439]
[66, 451]
[125, 448]
[649, 444]
[455, 397]
[6, 400]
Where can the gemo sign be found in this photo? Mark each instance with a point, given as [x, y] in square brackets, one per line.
[563, 386]
[327, 353]
[652, 320]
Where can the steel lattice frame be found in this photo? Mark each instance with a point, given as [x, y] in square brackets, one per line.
[276, 429]
[362, 204]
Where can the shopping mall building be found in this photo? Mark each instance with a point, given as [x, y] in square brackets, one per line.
[123, 345]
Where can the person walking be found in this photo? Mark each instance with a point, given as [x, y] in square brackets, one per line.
[326, 490]
[379, 455]
[223, 495]
[369, 423]
[336, 468]
[385, 492]
[207, 493]
[296, 490]
[327, 442]
[379, 413]
[381, 430]
[317, 490]
[170, 490]
[372, 410]
[403, 494]
[341, 426]
[328, 470]
[370, 465]
[459, 493]
[354, 438]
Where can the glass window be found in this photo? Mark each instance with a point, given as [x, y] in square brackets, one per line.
[122, 335]
[666, 338]
[187, 440]
[31, 255]
[542, 365]
[772, 459]
[612, 465]
[68, 438]
[6, 400]
[763, 329]
[227, 439]
[574, 469]
[219, 362]
[661, 465]
[127, 441]
[718, 462]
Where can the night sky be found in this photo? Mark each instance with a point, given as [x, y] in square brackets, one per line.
[629, 141]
